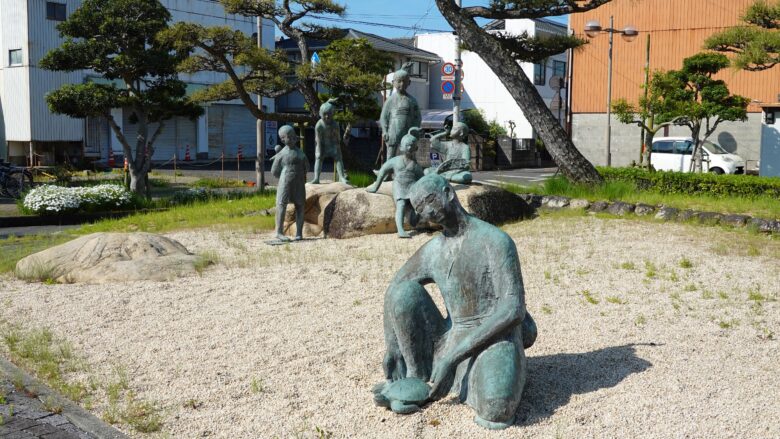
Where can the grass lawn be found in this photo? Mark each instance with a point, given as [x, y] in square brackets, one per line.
[240, 214]
[765, 207]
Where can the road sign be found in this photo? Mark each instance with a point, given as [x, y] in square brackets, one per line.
[448, 87]
[315, 59]
[447, 96]
[270, 136]
[435, 159]
[448, 69]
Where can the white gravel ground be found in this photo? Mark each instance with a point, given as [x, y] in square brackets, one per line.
[649, 350]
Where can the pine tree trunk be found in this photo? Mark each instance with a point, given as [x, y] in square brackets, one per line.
[571, 162]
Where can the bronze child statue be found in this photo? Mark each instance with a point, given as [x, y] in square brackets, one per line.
[290, 166]
[327, 137]
[457, 154]
[399, 113]
[406, 171]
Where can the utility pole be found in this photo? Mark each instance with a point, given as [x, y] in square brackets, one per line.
[609, 93]
[260, 156]
[456, 95]
[647, 86]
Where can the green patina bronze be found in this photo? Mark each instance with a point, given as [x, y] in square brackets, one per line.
[327, 138]
[477, 350]
[403, 396]
[406, 171]
[289, 166]
[399, 113]
[456, 166]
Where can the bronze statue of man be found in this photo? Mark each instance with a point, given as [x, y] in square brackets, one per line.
[477, 350]
[290, 166]
[399, 113]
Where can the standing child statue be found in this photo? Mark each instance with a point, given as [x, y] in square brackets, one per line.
[457, 155]
[406, 171]
[327, 137]
[399, 113]
[290, 166]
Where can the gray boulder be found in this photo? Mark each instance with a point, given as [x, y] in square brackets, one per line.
[709, 217]
[318, 198]
[667, 213]
[644, 209]
[687, 215]
[110, 257]
[620, 208]
[555, 202]
[577, 203]
[735, 220]
[598, 206]
[762, 225]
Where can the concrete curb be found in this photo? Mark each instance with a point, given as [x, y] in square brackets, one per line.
[70, 410]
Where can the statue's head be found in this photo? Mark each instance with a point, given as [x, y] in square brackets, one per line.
[401, 78]
[287, 135]
[459, 130]
[327, 110]
[433, 198]
[409, 141]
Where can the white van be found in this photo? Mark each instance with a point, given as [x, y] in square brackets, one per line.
[674, 154]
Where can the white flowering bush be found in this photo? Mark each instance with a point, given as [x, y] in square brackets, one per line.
[49, 199]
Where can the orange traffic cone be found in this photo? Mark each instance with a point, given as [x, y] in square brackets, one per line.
[111, 162]
[187, 154]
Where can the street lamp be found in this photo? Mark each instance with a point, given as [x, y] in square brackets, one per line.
[629, 34]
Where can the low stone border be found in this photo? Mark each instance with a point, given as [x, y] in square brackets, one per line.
[71, 411]
[665, 213]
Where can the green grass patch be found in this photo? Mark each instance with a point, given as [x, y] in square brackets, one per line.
[589, 297]
[758, 204]
[361, 179]
[215, 183]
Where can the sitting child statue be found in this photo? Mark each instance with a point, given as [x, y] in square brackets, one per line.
[406, 171]
[290, 166]
[456, 164]
[327, 137]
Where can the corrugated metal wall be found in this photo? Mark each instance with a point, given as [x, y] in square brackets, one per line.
[678, 29]
[16, 84]
[230, 126]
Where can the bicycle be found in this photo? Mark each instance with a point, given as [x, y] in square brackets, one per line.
[14, 181]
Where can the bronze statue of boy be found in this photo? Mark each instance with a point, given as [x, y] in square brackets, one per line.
[290, 166]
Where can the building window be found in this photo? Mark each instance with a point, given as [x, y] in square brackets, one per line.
[540, 73]
[15, 57]
[55, 11]
[559, 69]
[419, 70]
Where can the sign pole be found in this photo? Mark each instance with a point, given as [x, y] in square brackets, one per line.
[458, 65]
[260, 153]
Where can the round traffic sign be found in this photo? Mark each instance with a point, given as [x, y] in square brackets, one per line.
[448, 69]
[447, 87]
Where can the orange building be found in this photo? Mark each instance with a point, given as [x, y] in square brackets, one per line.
[677, 29]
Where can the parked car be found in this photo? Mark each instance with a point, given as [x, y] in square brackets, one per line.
[675, 153]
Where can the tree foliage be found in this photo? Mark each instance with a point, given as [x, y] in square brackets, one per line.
[116, 39]
[693, 98]
[502, 51]
[754, 46]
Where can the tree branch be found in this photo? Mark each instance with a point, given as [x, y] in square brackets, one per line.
[553, 8]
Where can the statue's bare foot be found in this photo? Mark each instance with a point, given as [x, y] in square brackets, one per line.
[376, 172]
[299, 238]
[282, 238]
[493, 425]
[372, 189]
[404, 235]
[315, 181]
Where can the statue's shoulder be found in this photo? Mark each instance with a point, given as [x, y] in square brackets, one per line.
[488, 233]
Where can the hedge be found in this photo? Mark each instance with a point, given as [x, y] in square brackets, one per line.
[695, 184]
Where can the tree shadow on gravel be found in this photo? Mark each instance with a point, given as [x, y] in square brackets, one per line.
[553, 379]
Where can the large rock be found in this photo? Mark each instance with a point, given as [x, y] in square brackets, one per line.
[356, 212]
[110, 257]
[318, 198]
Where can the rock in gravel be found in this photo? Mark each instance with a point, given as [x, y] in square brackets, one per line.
[762, 225]
[555, 202]
[533, 200]
[709, 217]
[620, 208]
[667, 213]
[735, 220]
[110, 257]
[598, 206]
[686, 215]
[577, 203]
[644, 209]
[318, 198]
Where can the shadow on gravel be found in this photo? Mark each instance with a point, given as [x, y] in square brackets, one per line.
[553, 379]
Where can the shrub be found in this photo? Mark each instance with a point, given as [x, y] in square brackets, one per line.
[695, 184]
[48, 199]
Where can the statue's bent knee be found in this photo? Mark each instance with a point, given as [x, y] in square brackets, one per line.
[405, 296]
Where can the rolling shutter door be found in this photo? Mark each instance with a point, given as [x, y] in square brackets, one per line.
[215, 118]
[175, 136]
[239, 128]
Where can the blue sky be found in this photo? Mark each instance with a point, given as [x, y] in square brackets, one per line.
[422, 14]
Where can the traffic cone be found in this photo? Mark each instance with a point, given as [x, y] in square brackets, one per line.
[187, 154]
[111, 162]
[125, 167]
[239, 155]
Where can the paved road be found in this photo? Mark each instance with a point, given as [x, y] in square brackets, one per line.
[247, 172]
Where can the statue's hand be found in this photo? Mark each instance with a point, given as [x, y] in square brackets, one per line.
[394, 366]
[442, 377]
[385, 137]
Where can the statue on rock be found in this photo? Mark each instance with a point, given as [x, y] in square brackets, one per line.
[399, 113]
[477, 350]
[290, 166]
[406, 171]
[327, 137]
[456, 166]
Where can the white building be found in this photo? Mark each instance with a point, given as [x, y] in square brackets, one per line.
[482, 89]
[28, 31]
